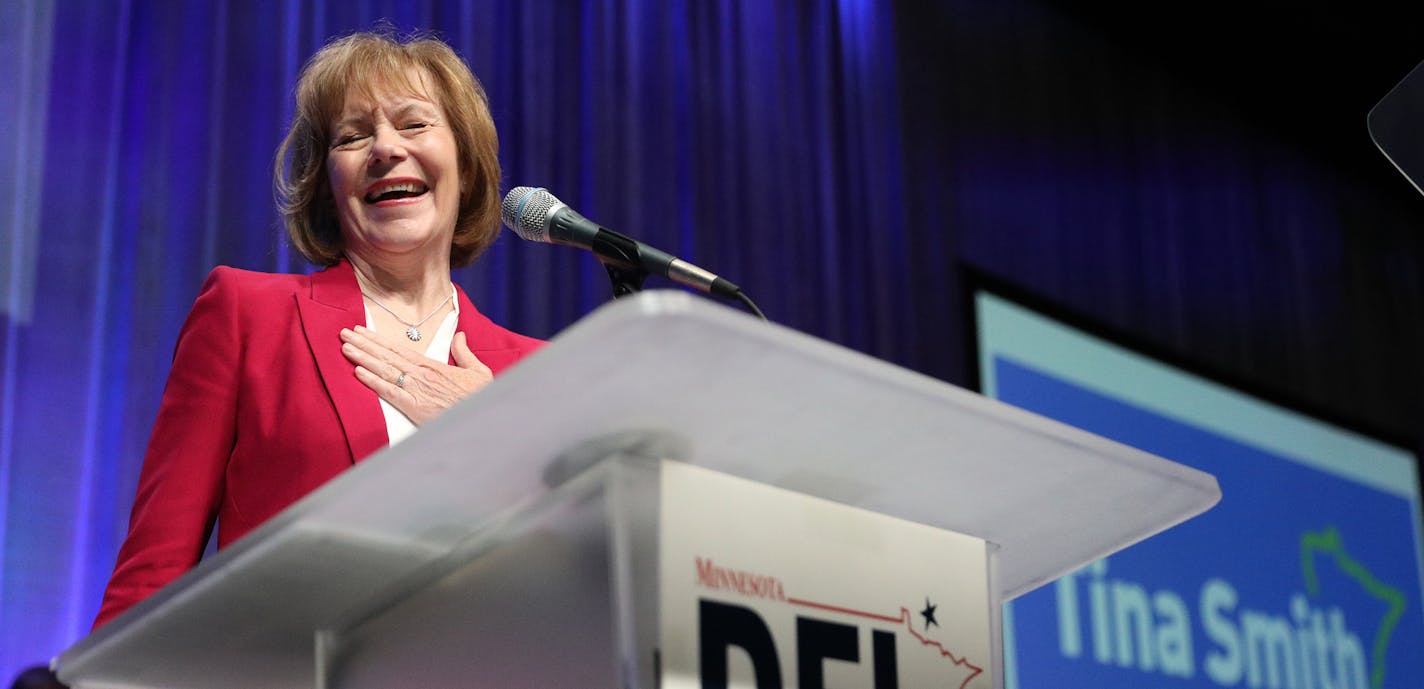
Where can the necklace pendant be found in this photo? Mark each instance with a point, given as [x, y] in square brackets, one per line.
[413, 334]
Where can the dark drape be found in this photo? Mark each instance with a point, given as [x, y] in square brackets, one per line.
[1224, 209]
[849, 163]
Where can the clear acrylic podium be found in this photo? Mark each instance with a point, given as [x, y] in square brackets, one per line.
[512, 542]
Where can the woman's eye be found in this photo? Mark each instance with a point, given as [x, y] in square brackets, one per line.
[416, 125]
[346, 140]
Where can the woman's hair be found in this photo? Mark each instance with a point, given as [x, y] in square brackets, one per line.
[365, 61]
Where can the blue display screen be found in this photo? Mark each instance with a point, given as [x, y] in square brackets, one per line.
[1305, 576]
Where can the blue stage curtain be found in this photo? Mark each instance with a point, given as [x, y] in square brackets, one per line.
[755, 138]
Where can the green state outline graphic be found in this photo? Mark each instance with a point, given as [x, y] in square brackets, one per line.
[1329, 542]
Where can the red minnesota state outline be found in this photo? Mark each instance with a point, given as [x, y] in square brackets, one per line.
[905, 619]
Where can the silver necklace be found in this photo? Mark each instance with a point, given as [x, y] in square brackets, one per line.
[412, 330]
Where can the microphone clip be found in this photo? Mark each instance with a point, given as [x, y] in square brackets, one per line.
[619, 256]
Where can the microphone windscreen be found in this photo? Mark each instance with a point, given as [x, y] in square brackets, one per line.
[526, 211]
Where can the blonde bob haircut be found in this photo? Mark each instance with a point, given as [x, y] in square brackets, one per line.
[365, 61]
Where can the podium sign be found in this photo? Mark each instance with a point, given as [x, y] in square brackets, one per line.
[769, 588]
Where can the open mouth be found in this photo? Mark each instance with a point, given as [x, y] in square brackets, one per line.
[395, 191]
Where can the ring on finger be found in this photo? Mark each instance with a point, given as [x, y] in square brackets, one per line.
[400, 381]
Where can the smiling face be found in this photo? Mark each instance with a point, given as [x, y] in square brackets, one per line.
[393, 169]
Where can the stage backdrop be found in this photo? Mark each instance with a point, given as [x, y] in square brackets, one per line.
[842, 160]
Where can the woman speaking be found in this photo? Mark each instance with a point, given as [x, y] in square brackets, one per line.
[388, 178]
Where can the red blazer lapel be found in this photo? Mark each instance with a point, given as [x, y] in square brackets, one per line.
[335, 303]
[496, 347]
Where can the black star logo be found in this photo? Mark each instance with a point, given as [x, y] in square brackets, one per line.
[928, 614]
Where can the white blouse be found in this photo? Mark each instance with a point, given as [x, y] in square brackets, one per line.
[398, 427]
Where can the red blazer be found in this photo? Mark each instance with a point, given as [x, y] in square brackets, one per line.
[260, 409]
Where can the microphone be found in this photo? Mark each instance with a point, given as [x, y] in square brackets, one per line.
[536, 215]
